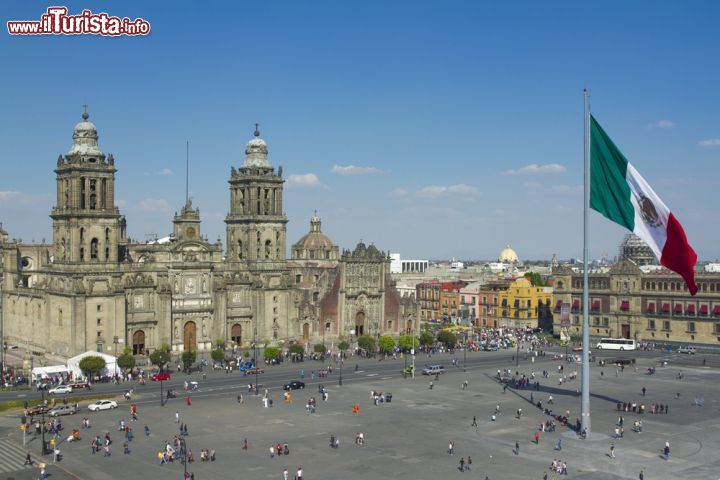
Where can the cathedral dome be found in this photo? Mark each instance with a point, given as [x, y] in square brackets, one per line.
[256, 151]
[315, 245]
[508, 255]
[85, 138]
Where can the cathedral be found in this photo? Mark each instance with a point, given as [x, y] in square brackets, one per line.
[94, 289]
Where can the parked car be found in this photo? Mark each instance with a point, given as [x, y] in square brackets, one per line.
[253, 371]
[62, 410]
[433, 369]
[160, 376]
[491, 348]
[60, 390]
[294, 385]
[38, 410]
[687, 349]
[102, 405]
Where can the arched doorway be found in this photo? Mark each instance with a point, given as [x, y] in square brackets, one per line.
[190, 336]
[236, 334]
[306, 331]
[360, 323]
[138, 344]
[409, 326]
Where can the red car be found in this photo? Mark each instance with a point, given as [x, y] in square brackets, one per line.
[253, 371]
[79, 385]
[160, 376]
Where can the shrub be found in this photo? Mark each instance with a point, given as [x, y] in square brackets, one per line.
[92, 365]
[126, 361]
[319, 348]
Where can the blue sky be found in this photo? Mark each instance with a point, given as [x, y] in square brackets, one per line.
[462, 120]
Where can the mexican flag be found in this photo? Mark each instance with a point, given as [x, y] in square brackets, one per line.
[622, 195]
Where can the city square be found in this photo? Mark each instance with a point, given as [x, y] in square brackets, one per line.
[408, 437]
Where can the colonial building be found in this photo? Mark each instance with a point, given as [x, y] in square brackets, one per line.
[524, 305]
[92, 288]
[652, 305]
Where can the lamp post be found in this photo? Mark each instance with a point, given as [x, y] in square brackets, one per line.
[42, 426]
[116, 340]
[342, 360]
[185, 455]
[465, 353]
[160, 375]
[255, 359]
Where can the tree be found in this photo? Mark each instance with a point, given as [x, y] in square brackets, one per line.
[220, 343]
[218, 355]
[297, 349]
[127, 350]
[272, 353]
[447, 337]
[367, 343]
[407, 342]
[427, 338]
[535, 279]
[343, 345]
[161, 356]
[92, 365]
[319, 348]
[126, 361]
[188, 358]
[387, 344]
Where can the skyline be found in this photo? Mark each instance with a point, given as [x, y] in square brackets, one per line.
[429, 132]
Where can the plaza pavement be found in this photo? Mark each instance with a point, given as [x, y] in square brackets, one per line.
[408, 438]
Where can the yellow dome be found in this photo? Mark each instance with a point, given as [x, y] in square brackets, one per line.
[508, 255]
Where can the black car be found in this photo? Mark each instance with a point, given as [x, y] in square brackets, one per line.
[294, 385]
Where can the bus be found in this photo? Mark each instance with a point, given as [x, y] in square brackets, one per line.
[616, 344]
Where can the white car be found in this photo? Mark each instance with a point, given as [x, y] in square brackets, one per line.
[102, 405]
[60, 390]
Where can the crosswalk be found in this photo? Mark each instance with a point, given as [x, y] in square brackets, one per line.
[12, 457]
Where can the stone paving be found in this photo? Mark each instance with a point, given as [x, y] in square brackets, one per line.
[408, 438]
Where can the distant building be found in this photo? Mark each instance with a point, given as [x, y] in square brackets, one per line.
[508, 255]
[652, 306]
[633, 248]
[397, 265]
[428, 298]
[524, 305]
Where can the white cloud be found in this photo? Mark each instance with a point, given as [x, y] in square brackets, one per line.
[164, 172]
[13, 197]
[397, 193]
[353, 170]
[664, 124]
[434, 191]
[154, 205]
[566, 188]
[712, 142]
[7, 195]
[535, 169]
[309, 180]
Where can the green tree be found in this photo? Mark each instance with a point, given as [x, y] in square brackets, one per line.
[127, 350]
[218, 355]
[220, 343]
[188, 358]
[272, 353]
[92, 365]
[161, 356]
[408, 342]
[447, 337]
[319, 348]
[535, 279]
[427, 338]
[343, 345]
[367, 343]
[126, 361]
[387, 344]
[297, 349]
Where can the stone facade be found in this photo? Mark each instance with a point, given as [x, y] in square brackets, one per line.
[653, 306]
[93, 288]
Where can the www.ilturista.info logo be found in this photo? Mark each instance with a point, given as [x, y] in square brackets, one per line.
[56, 21]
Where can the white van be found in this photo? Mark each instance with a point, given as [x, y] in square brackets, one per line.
[433, 369]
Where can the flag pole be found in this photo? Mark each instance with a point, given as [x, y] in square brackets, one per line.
[585, 406]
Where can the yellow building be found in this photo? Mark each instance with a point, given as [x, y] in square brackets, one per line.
[524, 305]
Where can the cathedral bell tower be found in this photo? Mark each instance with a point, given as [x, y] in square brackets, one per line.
[87, 225]
[256, 222]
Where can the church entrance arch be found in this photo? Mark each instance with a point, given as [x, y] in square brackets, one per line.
[236, 334]
[138, 344]
[190, 336]
[360, 323]
[409, 326]
[306, 331]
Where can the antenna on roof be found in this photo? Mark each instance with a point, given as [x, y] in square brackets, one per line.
[187, 171]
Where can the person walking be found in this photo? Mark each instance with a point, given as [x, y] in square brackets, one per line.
[517, 448]
[666, 451]
[474, 422]
[299, 474]
[643, 391]
[468, 464]
[451, 448]
[537, 438]
[147, 431]
[558, 447]
[612, 450]
[461, 465]
[272, 451]
[177, 416]
[642, 475]
[285, 474]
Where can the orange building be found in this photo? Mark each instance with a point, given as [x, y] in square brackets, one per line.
[450, 298]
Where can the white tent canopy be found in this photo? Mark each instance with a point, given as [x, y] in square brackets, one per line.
[111, 368]
[49, 371]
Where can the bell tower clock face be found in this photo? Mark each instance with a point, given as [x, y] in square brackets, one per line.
[190, 232]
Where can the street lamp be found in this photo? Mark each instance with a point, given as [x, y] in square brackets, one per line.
[465, 353]
[342, 360]
[255, 358]
[43, 451]
[185, 455]
[116, 340]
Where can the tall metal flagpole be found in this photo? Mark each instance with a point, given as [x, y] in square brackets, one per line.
[585, 407]
[187, 171]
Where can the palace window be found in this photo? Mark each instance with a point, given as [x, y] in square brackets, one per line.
[666, 325]
[651, 325]
[691, 327]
